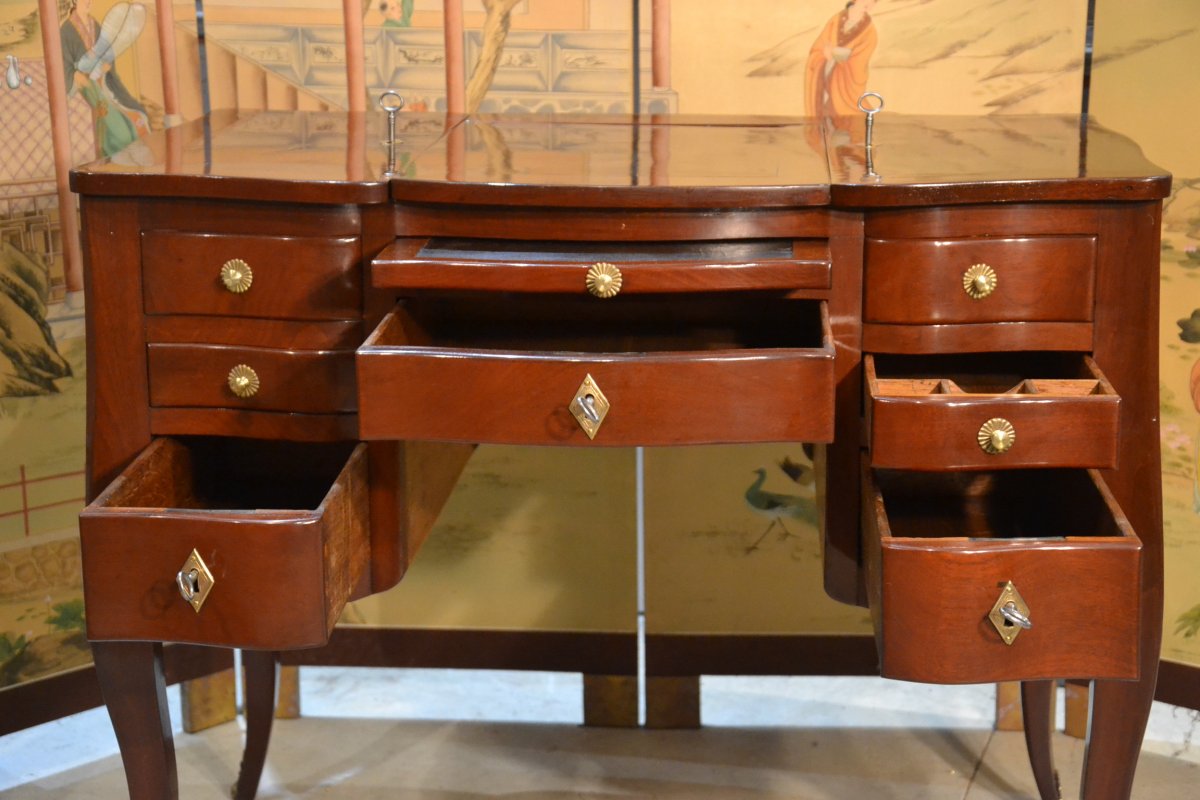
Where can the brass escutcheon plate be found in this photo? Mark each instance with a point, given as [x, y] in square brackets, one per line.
[1008, 631]
[195, 581]
[589, 406]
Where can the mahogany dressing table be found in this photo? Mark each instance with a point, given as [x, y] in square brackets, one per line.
[292, 350]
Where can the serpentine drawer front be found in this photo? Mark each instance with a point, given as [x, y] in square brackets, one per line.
[990, 411]
[958, 562]
[281, 277]
[931, 281]
[222, 376]
[227, 542]
[572, 267]
[574, 370]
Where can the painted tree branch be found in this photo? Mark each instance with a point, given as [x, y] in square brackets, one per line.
[495, 33]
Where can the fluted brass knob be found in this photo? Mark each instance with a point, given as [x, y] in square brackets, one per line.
[243, 381]
[997, 436]
[603, 280]
[237, 275]
[979, 281]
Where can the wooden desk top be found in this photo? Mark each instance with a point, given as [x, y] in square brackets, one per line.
[681, 161]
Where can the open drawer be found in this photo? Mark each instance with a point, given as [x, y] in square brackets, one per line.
[575, 267]
[227, 542]
[990, 411]
[947, 553]
[638, 371]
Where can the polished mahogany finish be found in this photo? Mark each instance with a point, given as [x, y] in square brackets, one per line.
[772, 288]
[463, 372]
[942, 546]
[283, 532]
[507, 266]
[925, 413]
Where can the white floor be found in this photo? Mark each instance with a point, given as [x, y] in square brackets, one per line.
[459, 735]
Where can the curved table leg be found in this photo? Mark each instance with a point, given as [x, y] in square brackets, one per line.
[262, 673]
[133, 688]
[1118, 722]
[1120, 709]
[1036, 707]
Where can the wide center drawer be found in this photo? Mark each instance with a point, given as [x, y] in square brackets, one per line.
[990, 411]
[648, 371]
[947, 552]
[227, 542]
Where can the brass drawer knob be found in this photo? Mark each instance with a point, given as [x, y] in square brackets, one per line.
[195, 581]
[589, 406]
[243, 381]
[997, 436]
[1010, 614]
[979, 281]
[603, 280]
[237, 275]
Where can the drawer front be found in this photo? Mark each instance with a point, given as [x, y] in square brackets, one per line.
[410, 389]
[1033, 279]
[603, 269]
[941, 424]
[203, 376]
[288, 277]
[933, 597]
[276, 577]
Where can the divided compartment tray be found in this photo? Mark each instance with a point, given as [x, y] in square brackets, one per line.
[282, 528]
[939, 412]
[940, 548]
[674, 370]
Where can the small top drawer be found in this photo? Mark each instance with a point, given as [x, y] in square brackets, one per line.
[603, 269]
[955, 281]
[278, 277]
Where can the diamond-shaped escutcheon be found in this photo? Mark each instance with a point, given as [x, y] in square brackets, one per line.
[1010, 614]
[194, 580]
[589, 406]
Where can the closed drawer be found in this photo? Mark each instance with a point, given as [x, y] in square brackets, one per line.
[281, 530]
[633, 267]
[263, 379]
[282, 277]
[990, 411]
[662, 372]
[964, 281]
[941, 548]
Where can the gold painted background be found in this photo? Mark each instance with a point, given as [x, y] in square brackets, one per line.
[544, 539]
[1144, 83]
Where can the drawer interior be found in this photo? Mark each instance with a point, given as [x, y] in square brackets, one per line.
[1000, 505]
[507, 251]
[641, 324]
[232, 474]
[1050, 374]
